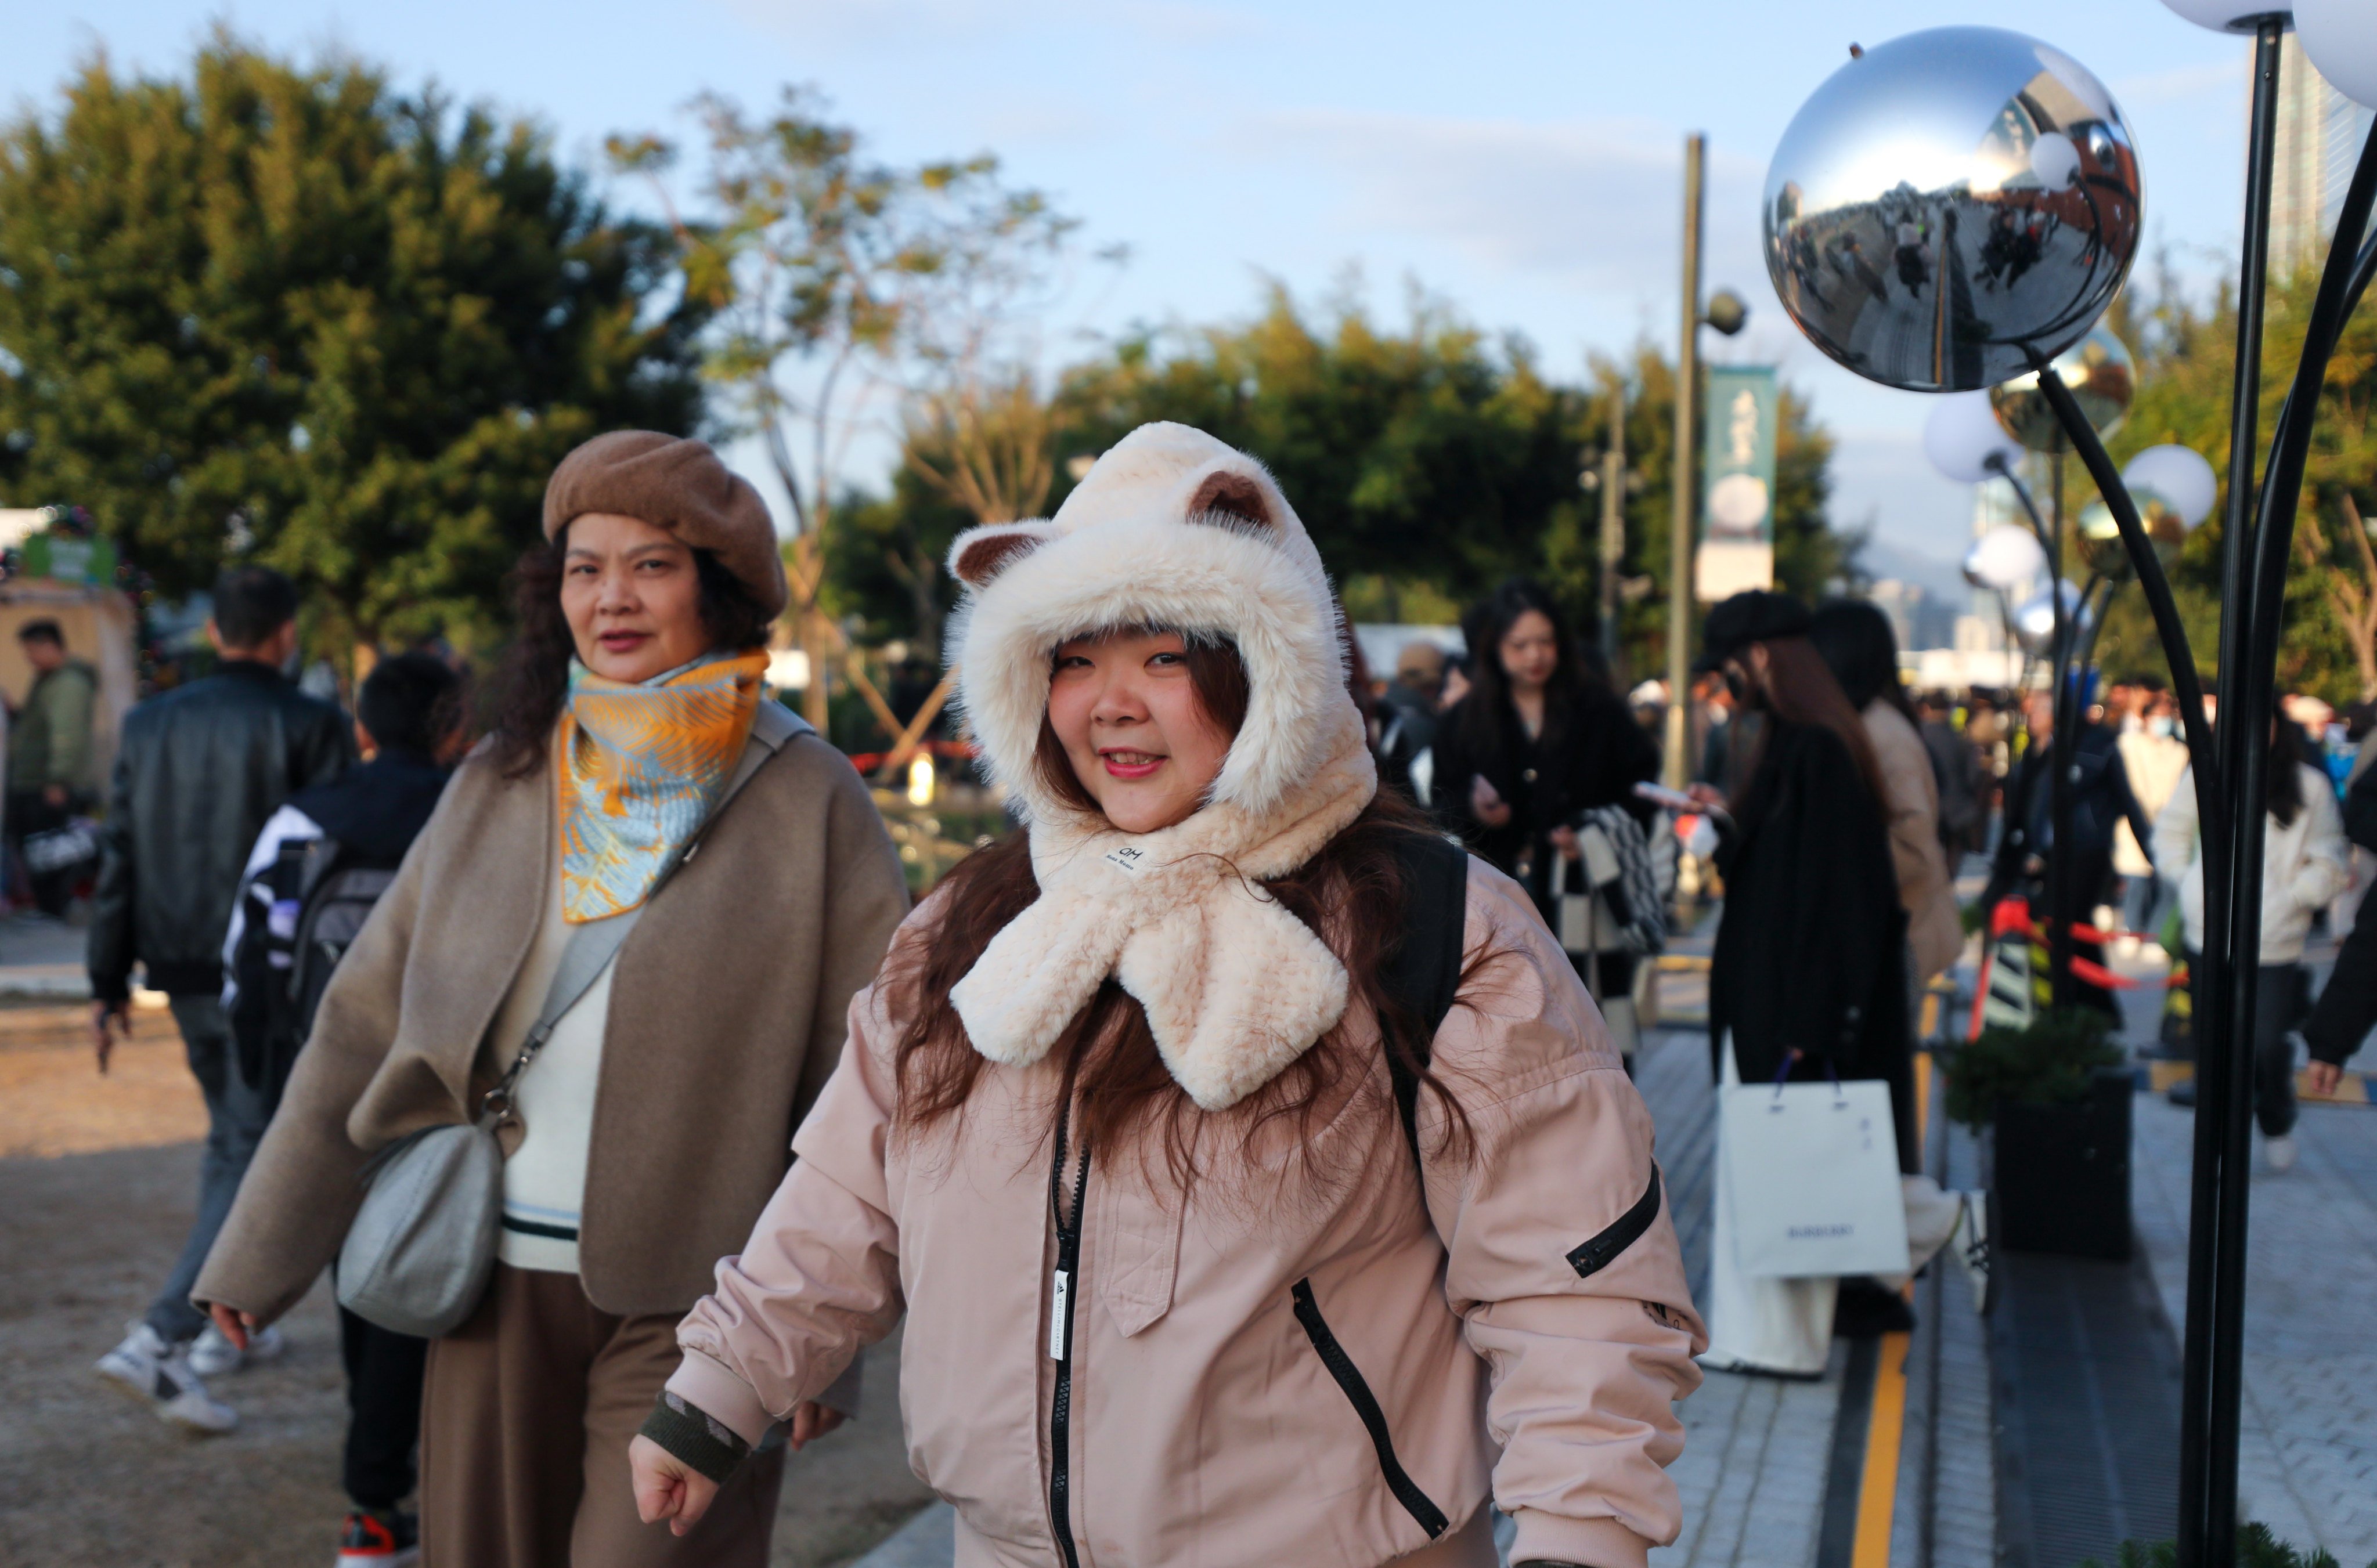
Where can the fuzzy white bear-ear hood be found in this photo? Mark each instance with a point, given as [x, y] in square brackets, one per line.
[1171, 529]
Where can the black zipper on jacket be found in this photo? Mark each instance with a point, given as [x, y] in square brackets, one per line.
[1063, 1287]
[1365, 1405]
[1590, 1257]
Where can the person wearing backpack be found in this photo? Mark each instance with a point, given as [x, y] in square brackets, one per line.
[319, 869]
[614, 969]
[1256, 1178]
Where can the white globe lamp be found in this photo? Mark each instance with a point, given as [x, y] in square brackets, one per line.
[2221, 15]
[2004, 559]
[2180, 476]
[1964, 440]
[2340, 36]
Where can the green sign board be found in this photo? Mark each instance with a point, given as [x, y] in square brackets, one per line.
[70, 558]
[1737, 548]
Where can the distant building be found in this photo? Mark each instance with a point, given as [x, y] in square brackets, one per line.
[1917, 616]
[2320, 137]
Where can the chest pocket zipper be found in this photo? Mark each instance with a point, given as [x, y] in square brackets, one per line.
[1365, 1405]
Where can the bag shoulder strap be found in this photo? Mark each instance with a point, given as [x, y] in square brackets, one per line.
[1425, 969]
[594, 944]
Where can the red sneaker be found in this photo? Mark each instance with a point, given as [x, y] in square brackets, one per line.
[373, 1538]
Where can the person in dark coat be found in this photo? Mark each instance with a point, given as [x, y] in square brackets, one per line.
[201, 770]
[2101, 799]
[1536, 744]
[407, 715]
[2347, 1007]
[1807, 963]
[1963, 802]
[1808, 981]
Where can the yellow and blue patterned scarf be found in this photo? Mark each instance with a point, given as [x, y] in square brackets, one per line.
[638, 767]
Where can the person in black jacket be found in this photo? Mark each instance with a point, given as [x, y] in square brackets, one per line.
[1809, 978]
[201, 770]
[1536, 744]
[2101, 799]
[339, 844]
[2347, 1007]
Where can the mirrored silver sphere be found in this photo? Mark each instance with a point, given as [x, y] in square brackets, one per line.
[1949, 201]
[2100, 536]
[2103, 379]
[2034, 624]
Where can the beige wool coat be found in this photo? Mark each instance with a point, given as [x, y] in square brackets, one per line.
[726, 1017]
[1925, 885]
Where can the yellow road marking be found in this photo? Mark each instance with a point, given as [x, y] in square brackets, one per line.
[1878, 1492]
[1885, 1425]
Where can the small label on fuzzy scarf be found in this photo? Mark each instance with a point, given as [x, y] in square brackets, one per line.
[1130, 858]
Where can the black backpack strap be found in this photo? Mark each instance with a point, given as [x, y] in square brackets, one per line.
[1425, 969]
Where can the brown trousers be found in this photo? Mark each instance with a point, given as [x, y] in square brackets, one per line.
[524, 1429]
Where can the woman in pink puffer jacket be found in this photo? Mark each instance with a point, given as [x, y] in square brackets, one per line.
[1199, 1265]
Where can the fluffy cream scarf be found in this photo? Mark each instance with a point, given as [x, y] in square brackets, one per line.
[1234, 986]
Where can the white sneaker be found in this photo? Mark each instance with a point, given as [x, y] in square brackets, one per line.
[213, 1355]
[1970, 1242]
[2281, 1151]
[148, 1368]
[133, 1363]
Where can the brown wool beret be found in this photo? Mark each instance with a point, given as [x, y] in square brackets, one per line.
[677, 483]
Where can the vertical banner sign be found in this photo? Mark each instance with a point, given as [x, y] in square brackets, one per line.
[1736, 545]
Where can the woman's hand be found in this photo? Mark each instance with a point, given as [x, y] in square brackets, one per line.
[1485, 803]
[2324, 1076]
[235, 1326]
[813, 1420]
[666, 1487]
[1708, 795]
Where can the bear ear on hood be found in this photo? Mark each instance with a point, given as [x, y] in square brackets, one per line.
[1228, 496]
[980, 555]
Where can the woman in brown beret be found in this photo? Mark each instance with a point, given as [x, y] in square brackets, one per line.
[636, 773]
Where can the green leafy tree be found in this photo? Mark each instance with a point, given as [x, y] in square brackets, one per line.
[837, 279]
[1429, 463]
[2186, 352]
[292, 315]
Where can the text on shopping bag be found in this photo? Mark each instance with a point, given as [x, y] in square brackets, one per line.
[1812, 1175]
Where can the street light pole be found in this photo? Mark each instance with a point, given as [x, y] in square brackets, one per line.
[1676, 770]
[1613, 524]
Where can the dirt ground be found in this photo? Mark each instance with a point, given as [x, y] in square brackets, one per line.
[89, 1478]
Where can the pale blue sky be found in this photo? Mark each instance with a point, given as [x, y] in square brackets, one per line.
[1522, 159]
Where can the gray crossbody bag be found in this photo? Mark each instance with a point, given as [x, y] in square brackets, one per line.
[418, 1256]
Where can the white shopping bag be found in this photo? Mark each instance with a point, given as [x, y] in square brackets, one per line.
[1810, 1174]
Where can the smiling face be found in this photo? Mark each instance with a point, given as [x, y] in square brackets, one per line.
[632, 597]
[1125, 707]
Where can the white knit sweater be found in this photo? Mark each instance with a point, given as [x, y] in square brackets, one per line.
[2304, 864]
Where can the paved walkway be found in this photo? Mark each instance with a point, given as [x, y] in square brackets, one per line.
[2308, 1466]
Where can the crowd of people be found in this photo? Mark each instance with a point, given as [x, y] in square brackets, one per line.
[1227, 1121]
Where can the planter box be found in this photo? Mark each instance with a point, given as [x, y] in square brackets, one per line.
[2061, 1172]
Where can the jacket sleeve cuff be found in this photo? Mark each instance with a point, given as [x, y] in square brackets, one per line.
[110, 989]
[1593, 1543]
[842, 1394]
[712, 1388]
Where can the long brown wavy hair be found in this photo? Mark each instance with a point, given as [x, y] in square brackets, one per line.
[1800, 689]
[1351, 894]
[534, 680]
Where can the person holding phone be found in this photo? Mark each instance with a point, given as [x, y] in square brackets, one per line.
[1540, 744]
